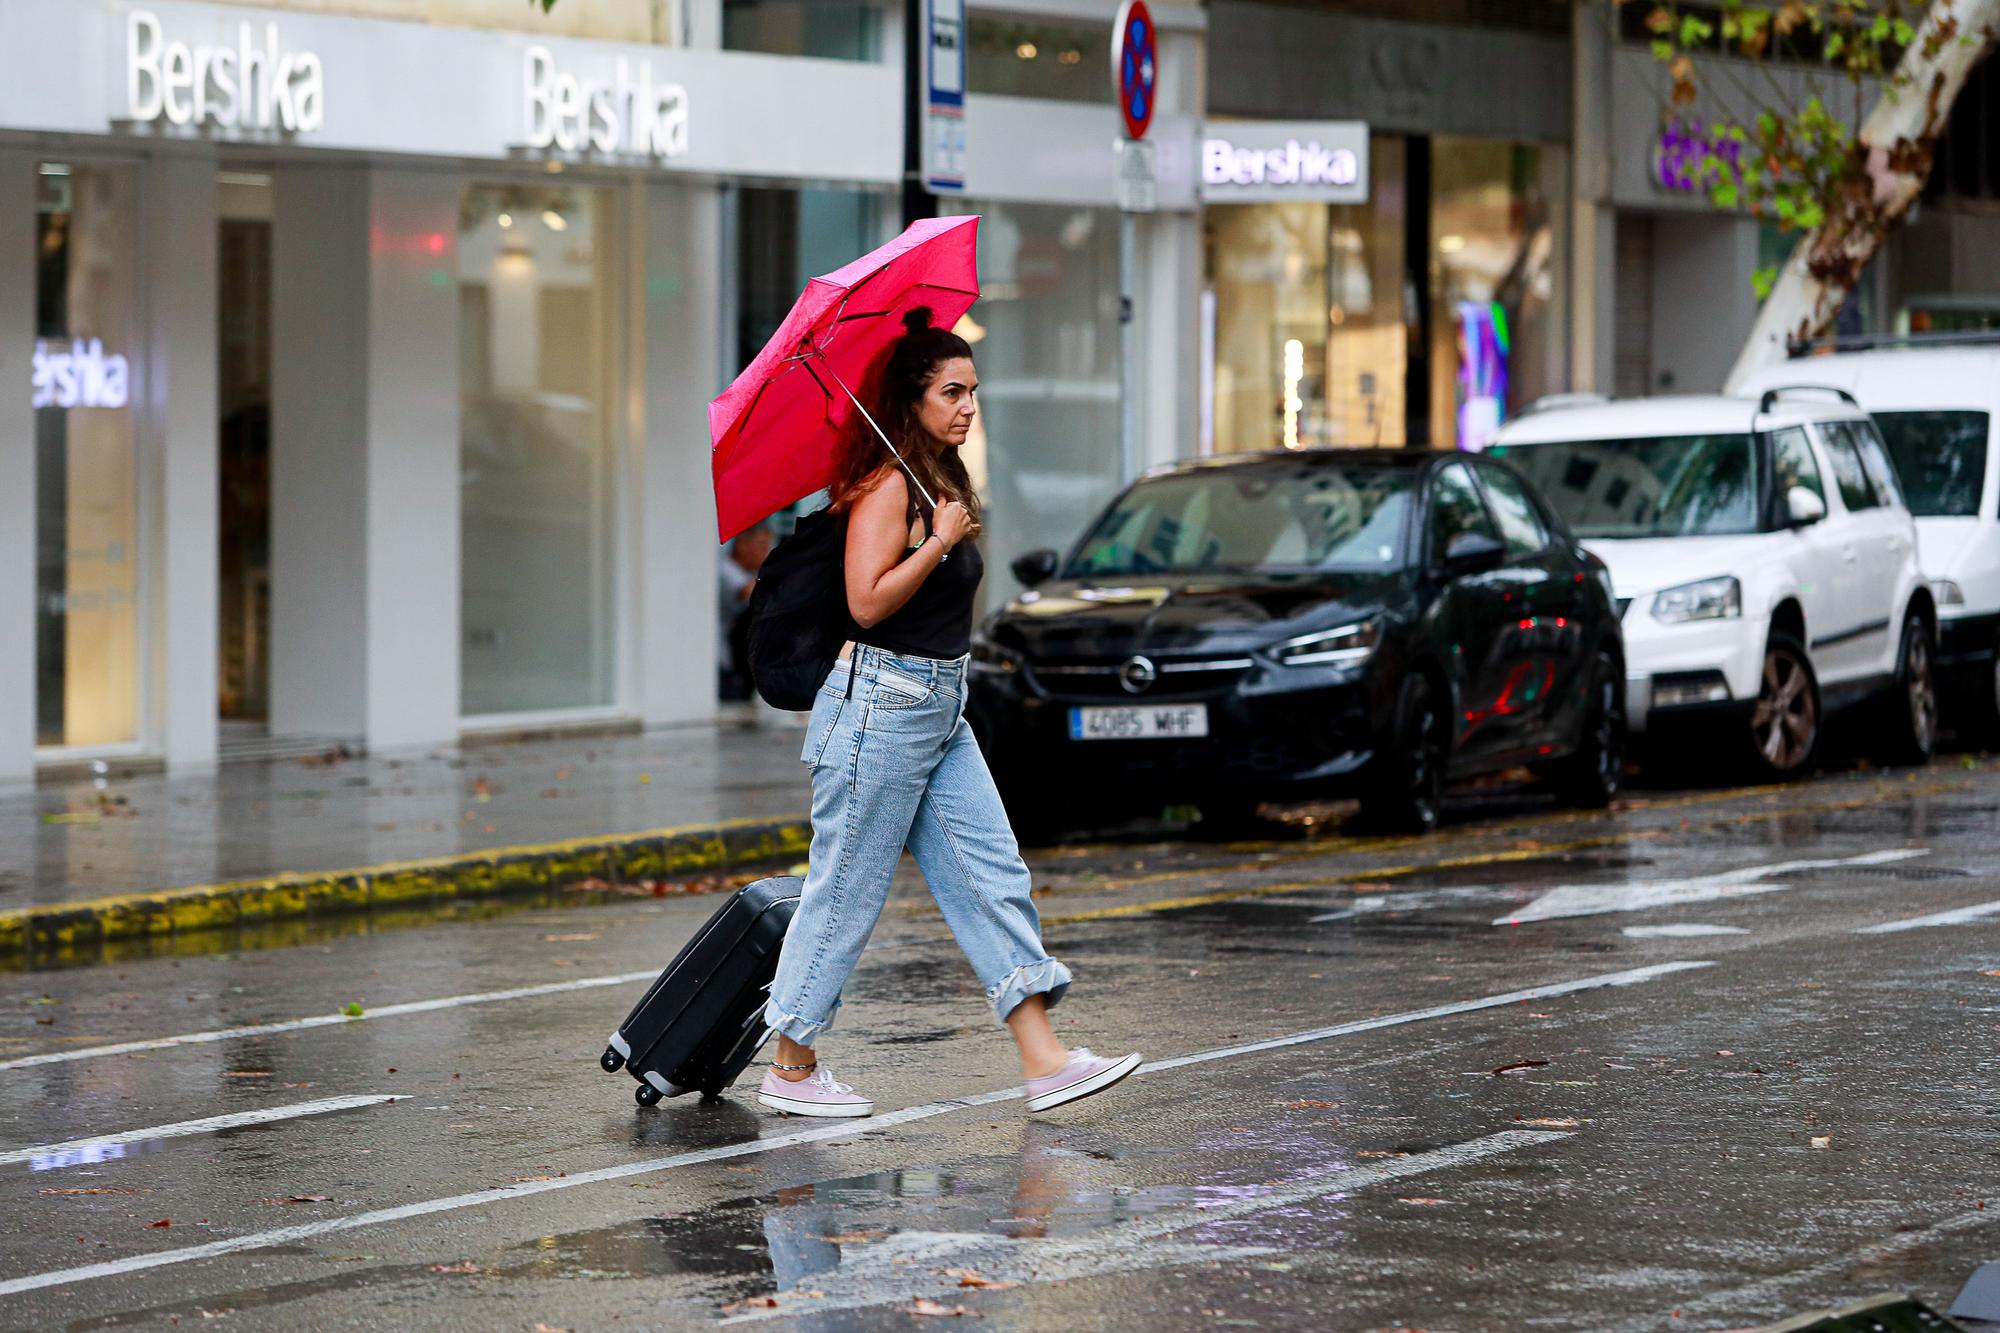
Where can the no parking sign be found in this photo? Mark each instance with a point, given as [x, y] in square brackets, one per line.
[1135, 66]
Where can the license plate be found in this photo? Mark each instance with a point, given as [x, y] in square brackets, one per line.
[1168, 722]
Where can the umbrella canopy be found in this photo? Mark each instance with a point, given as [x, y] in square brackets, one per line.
[777, 430]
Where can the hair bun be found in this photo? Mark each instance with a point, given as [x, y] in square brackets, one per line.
[917, 320]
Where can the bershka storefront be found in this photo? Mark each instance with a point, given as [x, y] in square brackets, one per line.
[358, 370]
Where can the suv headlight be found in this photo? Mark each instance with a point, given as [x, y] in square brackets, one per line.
[1709, 599]
[1350, 645]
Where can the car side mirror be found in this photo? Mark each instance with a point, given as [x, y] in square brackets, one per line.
[1473, 553]
[1035, 567]
[1804, 507]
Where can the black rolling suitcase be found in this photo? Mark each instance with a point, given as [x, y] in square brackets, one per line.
[699, 1025]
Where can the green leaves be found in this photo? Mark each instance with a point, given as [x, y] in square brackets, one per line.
[1763, 279]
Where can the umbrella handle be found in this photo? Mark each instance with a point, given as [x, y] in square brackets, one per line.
[879, 433]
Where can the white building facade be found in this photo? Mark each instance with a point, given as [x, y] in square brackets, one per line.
[360, 363]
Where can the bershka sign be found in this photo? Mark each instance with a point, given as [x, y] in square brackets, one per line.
[1256, 161]
[79, 373]
[256, 84]
[624, 114]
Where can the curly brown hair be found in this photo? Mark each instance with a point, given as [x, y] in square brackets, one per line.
[864, 462]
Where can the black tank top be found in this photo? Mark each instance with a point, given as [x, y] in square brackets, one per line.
[937, 620]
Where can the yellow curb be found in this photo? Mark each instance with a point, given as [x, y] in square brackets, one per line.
[492, 872]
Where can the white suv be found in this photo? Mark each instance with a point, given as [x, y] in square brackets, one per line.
[1763, 559]
[1937, 401]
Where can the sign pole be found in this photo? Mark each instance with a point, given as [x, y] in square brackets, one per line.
[1135, 73]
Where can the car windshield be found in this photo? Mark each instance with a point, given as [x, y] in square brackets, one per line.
[1286, 515]
[1940, 458]
[1663, 486]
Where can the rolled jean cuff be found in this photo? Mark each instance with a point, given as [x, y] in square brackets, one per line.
[798, 1029]
[1047, 978]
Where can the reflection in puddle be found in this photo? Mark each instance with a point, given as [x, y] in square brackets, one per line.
[89, 1154]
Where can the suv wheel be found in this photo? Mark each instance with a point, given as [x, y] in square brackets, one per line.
[1593, 774]
[1407, 786]
[1784, 724]
[1913, 704]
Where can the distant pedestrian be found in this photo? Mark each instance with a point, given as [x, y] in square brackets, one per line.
[894, 763]
[736, 577]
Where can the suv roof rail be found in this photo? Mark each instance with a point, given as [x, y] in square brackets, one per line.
[1549, 402]
[1776, 392]
[1867, 342]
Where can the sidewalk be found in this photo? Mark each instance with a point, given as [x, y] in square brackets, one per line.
[264, 840]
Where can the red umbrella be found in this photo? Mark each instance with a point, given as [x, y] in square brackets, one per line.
[778, 428]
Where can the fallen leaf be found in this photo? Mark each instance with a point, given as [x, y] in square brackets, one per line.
[529, 1180]
[746, 1170]
[163, 1222]
[551, 1328]
[482, 790]
[1725, 1052]
[1419, 1198]
[1307, 1103]
[1991, 972]
[352, 1010]
[298, 1085]
[972, 1277]
[925, 1305]
[1823, 1141]
[852, 1237]
[466, 1267]
[1551, 1122]
[100, 1189]
[566, 939]
[300, 1198]
[751, 1303]
[246, 1073]
[1520, 1064]
[463, 1124]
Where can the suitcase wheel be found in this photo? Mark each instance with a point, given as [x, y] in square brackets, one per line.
[611, 1060]
[646, 1095]
[711, 1094]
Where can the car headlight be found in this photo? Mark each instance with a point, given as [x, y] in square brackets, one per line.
[1709, 599]
[1350, 645]
[990, 656]
[1947, 592]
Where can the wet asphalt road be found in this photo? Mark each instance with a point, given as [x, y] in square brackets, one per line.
[1748, 1041]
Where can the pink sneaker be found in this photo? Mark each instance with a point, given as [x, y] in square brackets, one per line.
[1084, 1074]
[815, 1094]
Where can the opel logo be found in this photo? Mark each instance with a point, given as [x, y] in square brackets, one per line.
[1138, 675]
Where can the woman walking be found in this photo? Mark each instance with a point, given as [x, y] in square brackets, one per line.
[894, 763]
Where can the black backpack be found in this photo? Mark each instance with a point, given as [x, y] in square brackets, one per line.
[798, 612]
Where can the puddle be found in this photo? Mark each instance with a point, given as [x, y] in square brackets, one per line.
[293, 933]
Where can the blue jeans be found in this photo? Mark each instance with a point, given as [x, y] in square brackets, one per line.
[896, 765]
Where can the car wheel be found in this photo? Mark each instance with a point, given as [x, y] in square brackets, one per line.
[1407, 788]
[1913, 704]
[1784, 723]
[1593, 775]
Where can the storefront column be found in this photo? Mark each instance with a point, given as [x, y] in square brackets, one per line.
[17, 467]
[1593, 219]
[684, 263]
[1169, 316]
[180, 408]
[365, 455]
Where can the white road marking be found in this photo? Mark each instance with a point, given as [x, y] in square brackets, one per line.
[180, 1129]
[1683, 931]
[1639, 895]
[1733, 1301]
[834, 1130]
[910, 1264]
[1958, 916]
[1410, 900]
[323, 1020]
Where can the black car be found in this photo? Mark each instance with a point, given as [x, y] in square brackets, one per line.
[1323, 623]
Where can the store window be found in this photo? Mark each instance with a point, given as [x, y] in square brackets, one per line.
[829, 29]
[1044, 451]
[537, 377]
[87, 648]
[1024, 58]
[1498, 334]
[1312, 317]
